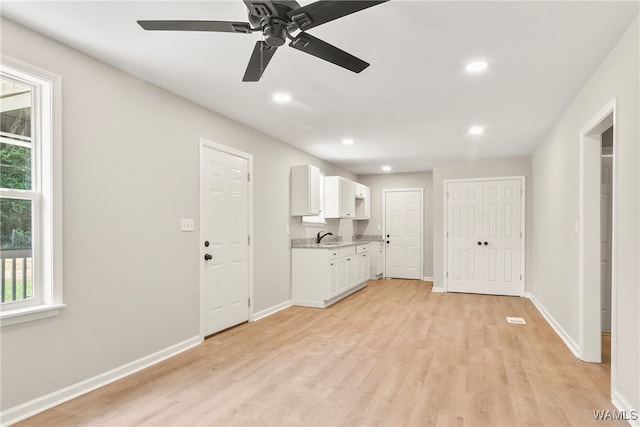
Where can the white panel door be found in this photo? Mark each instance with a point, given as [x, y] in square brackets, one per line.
[464, 233]
[605, 242]
[484, 237]
[403, 217]
[224, 225]
[501, 240]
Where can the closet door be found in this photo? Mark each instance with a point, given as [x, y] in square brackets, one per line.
[464, 235]
[501, 237]
[484, 237]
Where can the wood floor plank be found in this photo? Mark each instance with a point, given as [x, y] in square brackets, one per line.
[393, 353]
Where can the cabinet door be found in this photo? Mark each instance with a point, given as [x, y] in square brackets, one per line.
[347, 198]
[343, 274]
[351, 271]
[305, 190]
[333, 278]
[358, 269]
[365, 267]
[367, 202]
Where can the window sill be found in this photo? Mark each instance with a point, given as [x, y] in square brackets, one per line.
[29, 314]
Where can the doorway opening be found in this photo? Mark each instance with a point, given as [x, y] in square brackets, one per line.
[597, 231]
[606, 211]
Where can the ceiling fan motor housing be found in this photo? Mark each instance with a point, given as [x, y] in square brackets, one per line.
[275, 33]
[272, 18]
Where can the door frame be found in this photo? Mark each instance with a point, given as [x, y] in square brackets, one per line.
[206, 143]
[523, 224]
[384, 225]
[590, 345]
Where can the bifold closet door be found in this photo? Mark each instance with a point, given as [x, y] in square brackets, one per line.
[484, 237]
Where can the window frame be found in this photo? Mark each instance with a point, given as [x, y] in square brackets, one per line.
[45, 193]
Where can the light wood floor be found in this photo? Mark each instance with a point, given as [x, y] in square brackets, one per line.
[392, 354]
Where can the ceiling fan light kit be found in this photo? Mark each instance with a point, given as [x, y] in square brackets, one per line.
[277, 20]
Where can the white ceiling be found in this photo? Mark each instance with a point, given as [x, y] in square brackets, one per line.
[410, 108]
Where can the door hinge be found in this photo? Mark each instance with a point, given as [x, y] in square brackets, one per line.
[447, 274]
[248, 239]
[521, 234]
[521, 193]
[248, 176]
[249, 302]
[447, 234]
[521, 277]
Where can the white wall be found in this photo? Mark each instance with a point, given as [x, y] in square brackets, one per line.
[556, 183]
[130, 172]
[381, 182]
[513, 166]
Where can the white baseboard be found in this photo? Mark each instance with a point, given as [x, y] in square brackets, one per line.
[427, 279]
[438, 289]
[271, 310]
[555, 325]
[39, 404]
[622, 405]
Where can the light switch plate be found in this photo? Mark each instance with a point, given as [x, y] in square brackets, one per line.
[187, 224]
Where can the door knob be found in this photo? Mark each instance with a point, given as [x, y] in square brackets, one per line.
[208, 257]
[486, 243]
[479, 243]
[387, 242]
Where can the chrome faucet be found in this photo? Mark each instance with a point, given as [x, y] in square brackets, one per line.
[319, 237]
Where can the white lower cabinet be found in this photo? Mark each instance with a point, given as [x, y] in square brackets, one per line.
[322, 276]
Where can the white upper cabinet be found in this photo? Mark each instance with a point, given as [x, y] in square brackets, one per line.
[305, 190]
[363, 202]
[339, 197]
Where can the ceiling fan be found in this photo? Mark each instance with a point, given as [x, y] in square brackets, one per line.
[279, 20]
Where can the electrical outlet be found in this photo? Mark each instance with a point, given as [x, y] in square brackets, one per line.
[186, 224]
[379, 227]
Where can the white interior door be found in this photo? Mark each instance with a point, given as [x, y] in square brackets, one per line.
[484, 238]
[501, 241]
[225, 246]
[605, 242]
[403, 227]
[464, 233]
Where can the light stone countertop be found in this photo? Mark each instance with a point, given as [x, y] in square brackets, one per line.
[331, 244]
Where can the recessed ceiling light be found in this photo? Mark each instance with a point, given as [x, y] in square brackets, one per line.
[282, 98]
[476, 66]
[386, 168]
[476, 130]
[347, 141]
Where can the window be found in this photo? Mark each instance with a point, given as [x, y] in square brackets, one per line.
[317, 220]
[30, 220]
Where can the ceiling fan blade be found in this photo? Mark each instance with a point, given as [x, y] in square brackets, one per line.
[323, 50]
[320, 12]
[216, 26]
[260, 57]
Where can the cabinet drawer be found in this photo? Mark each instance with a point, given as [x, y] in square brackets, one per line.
[362, 248]
[334, 253]
[343, 252]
